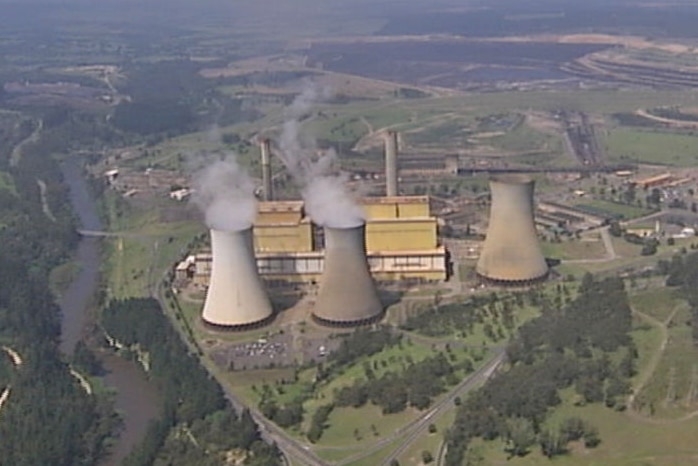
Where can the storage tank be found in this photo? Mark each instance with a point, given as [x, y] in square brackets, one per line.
[347, 295]
[511, 253]
[236, 297]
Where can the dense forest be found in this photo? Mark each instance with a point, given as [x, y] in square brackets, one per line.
[570, 346]
[48, 417]
[194, 404]
[171, 97]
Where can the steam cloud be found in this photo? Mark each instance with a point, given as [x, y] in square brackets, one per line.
[323, 187]
[225, 193]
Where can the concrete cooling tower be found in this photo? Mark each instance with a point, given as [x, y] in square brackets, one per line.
[511, 254]
[347, 294]
[236, 295]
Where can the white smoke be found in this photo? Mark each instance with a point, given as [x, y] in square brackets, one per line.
[328, 201]
[225, 193]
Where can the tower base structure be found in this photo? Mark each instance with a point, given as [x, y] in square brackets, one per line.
[236, 297]
[347, 295]
[511, 254]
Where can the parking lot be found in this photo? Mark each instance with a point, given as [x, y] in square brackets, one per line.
[278, 350]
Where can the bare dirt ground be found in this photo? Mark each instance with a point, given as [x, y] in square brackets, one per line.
[675, 123]
[544, 122]
[636, 42]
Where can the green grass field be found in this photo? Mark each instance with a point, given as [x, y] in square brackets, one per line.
[672, 392]
[651, 147]
[574, 249]
[614, 209]
[625, 442]
[659, 303]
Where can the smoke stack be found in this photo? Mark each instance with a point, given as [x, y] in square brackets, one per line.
[347, 294]
[267, 189]
[391, 187]
[511, 254]
[236, 295]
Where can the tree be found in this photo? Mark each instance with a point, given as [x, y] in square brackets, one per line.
[572, 428]
[591, 437]
[649, 248]
[552, 443]
[521, 436]
[427, 457]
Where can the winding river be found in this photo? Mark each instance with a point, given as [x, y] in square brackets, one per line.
[136, 398]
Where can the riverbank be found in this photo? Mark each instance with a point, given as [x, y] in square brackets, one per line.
[136, 398]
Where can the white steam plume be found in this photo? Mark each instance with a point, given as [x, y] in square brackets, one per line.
[225, 193]
[324, 190]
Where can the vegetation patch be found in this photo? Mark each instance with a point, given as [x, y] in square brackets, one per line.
[198, 426]
[651, 147]
[610, 209]
[572, 346]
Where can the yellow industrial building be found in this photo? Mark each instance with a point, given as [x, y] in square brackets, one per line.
[401, 242]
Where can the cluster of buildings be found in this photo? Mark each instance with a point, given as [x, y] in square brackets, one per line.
[397, 243]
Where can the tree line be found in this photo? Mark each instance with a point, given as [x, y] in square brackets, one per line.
[193, 402]
[48, 418]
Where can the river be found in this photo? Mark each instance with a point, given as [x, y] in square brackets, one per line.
[136, 398]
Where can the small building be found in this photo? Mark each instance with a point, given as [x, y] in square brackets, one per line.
[654, 181]
[180, 194]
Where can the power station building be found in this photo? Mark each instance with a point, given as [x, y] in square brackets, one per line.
[400, 237]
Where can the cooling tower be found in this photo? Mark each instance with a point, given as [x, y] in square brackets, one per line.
[267, 189]
[236, 295]
[391, 187]
[511, 254]
[347, 294]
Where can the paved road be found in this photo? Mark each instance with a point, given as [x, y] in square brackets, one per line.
[290, 447]
[482, 374]
[294, 449]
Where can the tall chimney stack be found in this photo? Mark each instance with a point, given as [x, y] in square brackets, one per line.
[267, 190]
[347, 295]
[391, 187]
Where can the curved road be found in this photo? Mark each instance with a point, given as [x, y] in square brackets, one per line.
[481, 375]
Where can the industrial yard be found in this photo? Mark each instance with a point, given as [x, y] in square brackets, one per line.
[368, 239]
[571, 213]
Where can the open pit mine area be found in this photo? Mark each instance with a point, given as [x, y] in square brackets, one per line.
[633, 71]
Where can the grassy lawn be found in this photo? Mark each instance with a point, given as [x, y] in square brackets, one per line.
[590, 248]
[659, 303]
[525, 139]
[615, 209]
[672, 391]
[340, 129]
[344, 423]
[648, 339]
[651, 147]
[625, 442]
